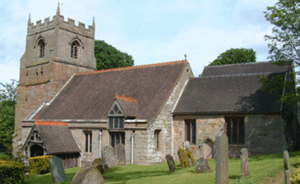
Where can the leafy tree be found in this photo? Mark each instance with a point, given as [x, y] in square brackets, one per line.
[108, 56]
[233, 56]
[284, 42]
[8, 98]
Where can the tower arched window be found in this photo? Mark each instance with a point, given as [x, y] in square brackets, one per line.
[41, 45]
[74, 49]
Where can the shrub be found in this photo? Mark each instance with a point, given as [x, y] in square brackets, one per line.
[184, 159]
[12, 172]
[295, 175]
[190, 155]
[39, 165]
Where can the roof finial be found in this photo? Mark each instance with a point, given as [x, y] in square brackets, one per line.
[58, 10]
[184, 56]
[93, 22]
[29, 20]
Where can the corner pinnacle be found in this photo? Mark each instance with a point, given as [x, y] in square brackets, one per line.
[58, 10]
[29, 20]
[93, 22]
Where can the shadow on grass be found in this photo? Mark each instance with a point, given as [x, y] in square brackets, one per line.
[233, 177]
[273, 156]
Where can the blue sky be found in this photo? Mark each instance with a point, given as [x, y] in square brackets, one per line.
[151, 31]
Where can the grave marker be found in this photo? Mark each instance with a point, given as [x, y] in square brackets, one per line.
[286, 162]
[57, 169]
[108, 157]
[244, 162]
[221, 158]
[202, 166]
[171, 163]
[120, 153]
[88, 175]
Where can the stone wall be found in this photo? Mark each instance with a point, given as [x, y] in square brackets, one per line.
[263, 134]
[164, 123]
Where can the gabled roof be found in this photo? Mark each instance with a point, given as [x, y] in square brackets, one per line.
[56, 137]
[231, 92]
[128, 105]
[89, 95]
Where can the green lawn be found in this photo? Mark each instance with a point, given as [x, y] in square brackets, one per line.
[261, 168]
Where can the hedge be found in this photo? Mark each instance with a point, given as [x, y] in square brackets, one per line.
[12, 172]
[39, 165]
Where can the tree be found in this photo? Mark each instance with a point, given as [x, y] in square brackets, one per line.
[285, 42]
[233, 56]
[108, 56]
[8, 99]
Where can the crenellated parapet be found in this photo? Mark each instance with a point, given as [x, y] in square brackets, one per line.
[59, 22]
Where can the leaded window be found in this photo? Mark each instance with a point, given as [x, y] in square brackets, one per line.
[41, 45]
[190, 130]
[116, 118]
[235, 130]
[88, 141]
[74, 49]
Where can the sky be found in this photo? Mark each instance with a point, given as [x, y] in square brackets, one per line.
[150, 31]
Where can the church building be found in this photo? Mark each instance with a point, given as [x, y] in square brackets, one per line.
[65, 107]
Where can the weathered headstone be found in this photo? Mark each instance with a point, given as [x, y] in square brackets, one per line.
[57, 169]
[120, 152]
[221, 158]
[171, 163]
[286, 162]
[88, 175]
[186, 144]
[244, 162]
[98, 164]
[202, 166]
[108, 157]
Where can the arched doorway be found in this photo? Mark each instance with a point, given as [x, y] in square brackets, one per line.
[36, 150]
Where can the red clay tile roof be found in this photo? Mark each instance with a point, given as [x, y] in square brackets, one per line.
[125, 98]
[90, 95]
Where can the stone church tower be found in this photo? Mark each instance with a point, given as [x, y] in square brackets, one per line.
[55, 50]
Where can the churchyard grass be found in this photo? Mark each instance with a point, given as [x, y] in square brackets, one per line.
[261, 169]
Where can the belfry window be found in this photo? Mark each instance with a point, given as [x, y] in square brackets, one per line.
[74, 49]
[41, 45]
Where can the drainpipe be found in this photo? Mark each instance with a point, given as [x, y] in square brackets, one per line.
[172, 135]
[100, 138]
[131, 155]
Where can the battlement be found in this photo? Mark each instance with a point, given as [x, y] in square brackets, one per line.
[58, 21]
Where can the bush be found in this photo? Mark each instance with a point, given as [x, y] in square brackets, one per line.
[295, 175]
[190, 155]
[12, 172]
[39, 165]
[184, 159]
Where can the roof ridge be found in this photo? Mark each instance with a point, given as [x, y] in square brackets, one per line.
[125, 98]
[133, 67]
[237, 75]
[49, 123]
[250, 63]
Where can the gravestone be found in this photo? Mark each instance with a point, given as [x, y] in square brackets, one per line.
[171, 163]
[221, 158]
[57, 169]
[99, 165]
[186, 144]
[120, 152]
[244, 162]
[202, 166]
[286, 163]
[88, 175]
[183, 157]
[108, 157]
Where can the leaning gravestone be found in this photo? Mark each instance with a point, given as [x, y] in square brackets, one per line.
[88, 175]
[108, 157]
[98, 164]
[287, 172]
[57, 169]
[120, 152]
[171, 163]
[244, 162]
[202, 166]
[221, 158]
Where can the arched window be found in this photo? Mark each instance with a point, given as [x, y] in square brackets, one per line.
[41, 45]
[74, 49]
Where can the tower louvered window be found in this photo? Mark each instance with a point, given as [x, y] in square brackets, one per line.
[41, 45]
[74, 49]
